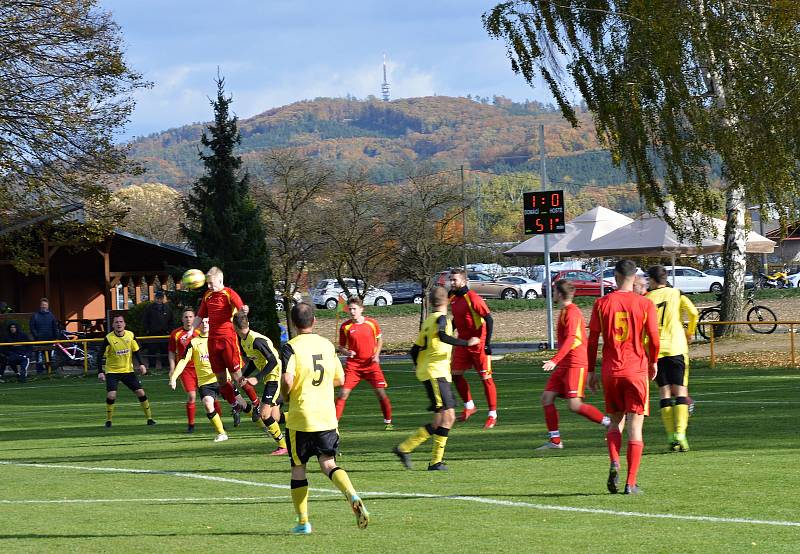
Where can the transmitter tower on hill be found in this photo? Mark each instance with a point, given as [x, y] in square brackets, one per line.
[385, 84]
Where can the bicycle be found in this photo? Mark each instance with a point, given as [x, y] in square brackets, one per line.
[756, 313]
[71, 355]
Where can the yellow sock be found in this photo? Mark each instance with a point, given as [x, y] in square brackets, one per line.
[146, 407]
[216, 421]
[667, 418]
[109, 410]
[439, 442]
[412, 442]
[681, 418]
[275, 432]
[342, 482]
[300, 499]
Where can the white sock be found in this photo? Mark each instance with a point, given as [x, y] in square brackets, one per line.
[387, 421]
[493, 413]
[469, 405]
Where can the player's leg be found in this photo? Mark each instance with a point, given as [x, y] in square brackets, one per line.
[133, 383]
[216, 356]
[378, 382]
[299, 487]
[209, 401]
[666, 401]
[248, 389]
[351, 380]
[422, 434]
[550, 416]
[680, 390]
[459, 363]
[483, 365]
[614, 444]
[189, 383]
[327, 444]
[269, 413]
[635, 449]
[575, 384]
[443, 422]
[111, 397]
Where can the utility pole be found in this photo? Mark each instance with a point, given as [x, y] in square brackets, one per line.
[463, 220]
[547, 277]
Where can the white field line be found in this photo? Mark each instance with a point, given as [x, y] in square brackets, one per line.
[475, 499]
[165, 500]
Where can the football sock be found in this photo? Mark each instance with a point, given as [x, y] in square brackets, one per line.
[226, 390]
[110, 408]
[190, 411]
[439, 442]
[491, 393]
[668, 417]
[386, 408]
[342, 482]
[591, 413]
[217, 407]
[145, 403]
[412, 442]
[634, 455]
[282, 420]
[247, 406]
[463, 388]
[340, 402]
[216, 421]
[551, 419]
[681, 414]
[300, 499]
[614, 442]
[275, 431]
[251, 392]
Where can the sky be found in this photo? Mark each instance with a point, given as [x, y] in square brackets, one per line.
[275, 52]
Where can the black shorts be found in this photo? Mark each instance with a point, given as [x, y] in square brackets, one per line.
[270, 395]
[304, 444]
[128, 379]
[673, 370]
[212, 390]
[440, 394]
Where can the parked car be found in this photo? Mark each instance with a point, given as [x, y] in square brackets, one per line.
[586, 284]
[483, 285]
[327, 291]
[720, 272]
[794, 280]
[404, 291]
[689, 279]
[529, 287]
[296, 297]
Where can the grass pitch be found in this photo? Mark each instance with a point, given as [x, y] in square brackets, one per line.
[68, 484]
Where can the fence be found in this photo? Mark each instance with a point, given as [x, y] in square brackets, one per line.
[792, 325]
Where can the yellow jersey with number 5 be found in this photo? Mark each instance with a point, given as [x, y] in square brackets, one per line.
[670, 306]
[312, 361]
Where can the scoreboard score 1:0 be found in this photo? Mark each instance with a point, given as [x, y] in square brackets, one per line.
[543, 212]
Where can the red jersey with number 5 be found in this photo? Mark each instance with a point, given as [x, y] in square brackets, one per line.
[624, 318]
[219, 307]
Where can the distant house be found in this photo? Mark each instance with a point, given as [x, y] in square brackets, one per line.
[787, 250]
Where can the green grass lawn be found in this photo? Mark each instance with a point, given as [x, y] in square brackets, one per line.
[156, 489]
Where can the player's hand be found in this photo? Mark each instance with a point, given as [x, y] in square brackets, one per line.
[351, 353]
[172, 384]
[245, 309]
[488, 349]
[473, 341]
[653, 371]
[593, 381]
[101, 376]
[250, 380]
[688, 338]
[376, 358]
[549, 365]
[143, 369]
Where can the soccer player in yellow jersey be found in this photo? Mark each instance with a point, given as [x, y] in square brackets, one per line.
[197, 353]
[673, 355]
[262, 357]
[431, 354]
[311, 370]
[115, 365]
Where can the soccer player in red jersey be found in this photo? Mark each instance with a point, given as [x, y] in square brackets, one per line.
[361, 341]
[471, 318]
[219, 305]
[624, 318]
[569, 363]
[176, 350]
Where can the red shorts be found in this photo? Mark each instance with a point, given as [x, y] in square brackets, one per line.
[568, 382]
[373, 374]
[224, 354]
[627, 394]
[468, 357]
[189, 378]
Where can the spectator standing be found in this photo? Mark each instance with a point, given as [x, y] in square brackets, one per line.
[158, 321]
[43, 326]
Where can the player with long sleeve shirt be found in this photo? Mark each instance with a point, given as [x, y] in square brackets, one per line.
[629, 326]
[176, 349]
[471, 318]
[570, 362]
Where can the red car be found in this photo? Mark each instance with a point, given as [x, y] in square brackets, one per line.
[585, 283]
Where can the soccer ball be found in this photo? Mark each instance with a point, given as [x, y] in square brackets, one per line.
[193, 279]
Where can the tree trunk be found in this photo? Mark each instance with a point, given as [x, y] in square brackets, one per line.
[734, 259]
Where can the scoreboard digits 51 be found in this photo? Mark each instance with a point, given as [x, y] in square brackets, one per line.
[543, 212]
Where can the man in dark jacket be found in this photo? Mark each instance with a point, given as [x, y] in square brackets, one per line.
[43, 326]
[158, 321]
[18, 357]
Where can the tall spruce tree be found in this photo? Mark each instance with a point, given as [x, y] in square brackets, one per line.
[224, 224]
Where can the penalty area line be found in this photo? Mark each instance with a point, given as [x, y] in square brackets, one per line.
[459, 498]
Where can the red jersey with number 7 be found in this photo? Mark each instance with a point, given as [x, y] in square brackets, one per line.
[623, 318]
[220, 307]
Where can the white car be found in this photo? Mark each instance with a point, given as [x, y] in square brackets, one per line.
[326, 294]
[689, 279]
[529, 287]
[794, 280]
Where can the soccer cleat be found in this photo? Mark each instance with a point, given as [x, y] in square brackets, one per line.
[236, 412]
[280, 451]
[438, 466]
[683, 444]
[674, 446]
[256, 413]
[491, 421]
[190, 429]
[221, 437]
[388, 427]
[302, 529]
[632, 489]
[613, 479]
[550, 445]
[467, 413]
[108, 425]
[362, 515]
[405, 457]
[151, 421]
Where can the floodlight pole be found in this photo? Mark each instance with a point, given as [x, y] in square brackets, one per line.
[547, 276]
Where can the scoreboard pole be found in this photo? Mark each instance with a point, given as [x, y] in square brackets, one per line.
[547, 276]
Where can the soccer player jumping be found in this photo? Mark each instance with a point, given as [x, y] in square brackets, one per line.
[569, 363]
[471, 318]
[624, 318]
[360, 339]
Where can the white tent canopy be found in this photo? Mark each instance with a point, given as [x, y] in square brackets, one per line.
[756, 244]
